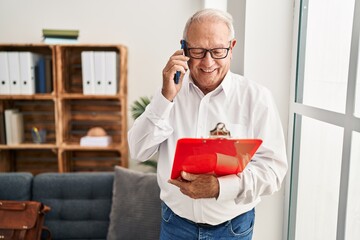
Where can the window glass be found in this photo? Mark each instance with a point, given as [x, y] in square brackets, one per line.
[353, 206]
[327, 54]
[319, 180]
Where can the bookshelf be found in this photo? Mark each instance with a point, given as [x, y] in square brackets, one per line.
[67, 115]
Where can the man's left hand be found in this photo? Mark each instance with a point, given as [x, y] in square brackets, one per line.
[197, 185]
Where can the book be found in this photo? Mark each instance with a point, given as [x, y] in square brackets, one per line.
[59, 40]
[9, 125]
[60, 33]
[60, 36]
[4, 74]
[17, 129]
[96, 141]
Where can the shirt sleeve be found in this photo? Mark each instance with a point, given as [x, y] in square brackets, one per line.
[267, 169]
[151, 128]
[229, 187]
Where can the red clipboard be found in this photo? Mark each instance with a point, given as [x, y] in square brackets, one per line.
[220, 156]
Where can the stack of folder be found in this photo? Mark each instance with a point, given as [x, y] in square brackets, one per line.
[25, 73]
[100, 72]
[54, 36]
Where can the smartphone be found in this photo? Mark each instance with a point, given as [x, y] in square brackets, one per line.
[177, 74]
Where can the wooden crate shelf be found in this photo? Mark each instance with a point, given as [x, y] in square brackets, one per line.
[93, 160]
[67, 115]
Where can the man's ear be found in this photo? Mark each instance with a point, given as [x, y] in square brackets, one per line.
[233, 43]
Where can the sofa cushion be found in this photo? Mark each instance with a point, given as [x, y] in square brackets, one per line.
[80, 203]
[15, 186]
[136, 208]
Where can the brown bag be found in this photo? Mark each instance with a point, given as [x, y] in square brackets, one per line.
[22, 220]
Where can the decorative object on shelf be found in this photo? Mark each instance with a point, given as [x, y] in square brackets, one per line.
[96, 132]
[96, 137]
[38, 135]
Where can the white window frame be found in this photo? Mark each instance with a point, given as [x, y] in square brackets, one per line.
[345, 120]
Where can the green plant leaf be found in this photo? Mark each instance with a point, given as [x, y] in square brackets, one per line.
[151, 163]
[138, 107]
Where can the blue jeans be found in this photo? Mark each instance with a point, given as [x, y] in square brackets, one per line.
[174, 227]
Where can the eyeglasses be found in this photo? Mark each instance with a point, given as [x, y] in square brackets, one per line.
[200, 53]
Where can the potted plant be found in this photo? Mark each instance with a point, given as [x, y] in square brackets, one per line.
[137, 108]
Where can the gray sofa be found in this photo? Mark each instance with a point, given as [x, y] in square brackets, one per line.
[123, 204]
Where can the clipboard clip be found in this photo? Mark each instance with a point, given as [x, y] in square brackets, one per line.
[220, 131]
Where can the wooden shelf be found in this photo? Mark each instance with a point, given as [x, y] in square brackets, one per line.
[81, 96]
[28, 146]
[28, 97]
[76, 146]
[67, 114]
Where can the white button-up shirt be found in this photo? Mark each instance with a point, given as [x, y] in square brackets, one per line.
[248, 111]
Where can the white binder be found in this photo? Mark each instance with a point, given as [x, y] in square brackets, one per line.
[88, 79]
[99, 67]
[111, 73]
[14, 72]
[4, 74]
[28, 62]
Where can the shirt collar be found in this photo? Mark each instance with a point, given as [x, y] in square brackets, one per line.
[225, 84]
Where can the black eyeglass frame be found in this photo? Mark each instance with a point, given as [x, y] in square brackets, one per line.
[187, 51]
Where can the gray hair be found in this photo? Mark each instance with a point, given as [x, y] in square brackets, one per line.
[210, 13]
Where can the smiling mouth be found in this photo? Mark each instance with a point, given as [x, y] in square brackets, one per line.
[208, 70]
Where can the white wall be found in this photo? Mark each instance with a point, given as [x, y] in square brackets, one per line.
[237, 9]
[267, 60]
[152, 30]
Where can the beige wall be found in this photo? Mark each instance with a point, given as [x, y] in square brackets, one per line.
[152, 31]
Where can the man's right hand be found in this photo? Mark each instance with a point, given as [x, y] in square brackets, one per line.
[177, 62]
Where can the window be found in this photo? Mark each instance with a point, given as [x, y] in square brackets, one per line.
[324, 127]
[327, 53]
[353, 205]
[319, 179]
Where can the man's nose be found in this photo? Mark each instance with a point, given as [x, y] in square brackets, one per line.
[208, 57]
